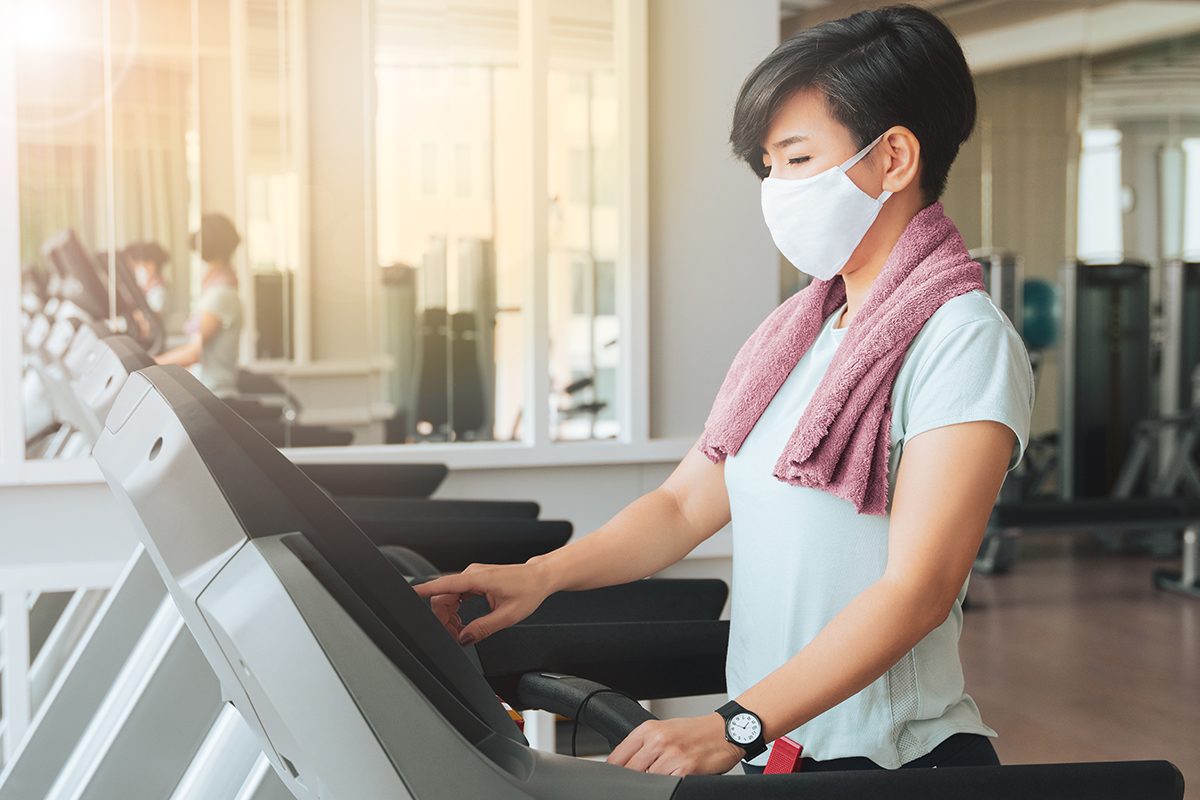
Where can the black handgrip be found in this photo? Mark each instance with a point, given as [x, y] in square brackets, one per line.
[1122, 780]
[377, 480]
[611, 714]
[648, 660]
[454, 544]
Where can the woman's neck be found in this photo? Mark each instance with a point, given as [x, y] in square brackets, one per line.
[873, 251]
[216, 270]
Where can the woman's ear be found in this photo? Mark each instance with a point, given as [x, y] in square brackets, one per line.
[902, 159]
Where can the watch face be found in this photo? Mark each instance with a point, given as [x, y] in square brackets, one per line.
[744, 728]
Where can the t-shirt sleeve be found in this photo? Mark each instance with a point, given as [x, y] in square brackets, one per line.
[223, 303]
[978, 371]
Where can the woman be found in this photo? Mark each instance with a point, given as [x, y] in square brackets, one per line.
[147, 260]
[216, 327]
[858, 443]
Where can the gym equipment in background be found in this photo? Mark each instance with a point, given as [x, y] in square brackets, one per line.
[1003, 276]
[353, 688]
[450, 394]
[1174, 434]
[274, 299]
[1041, 314]
[400, 344]
[83, 280]
[267, 405]
[1099, 517]
[1104, 370]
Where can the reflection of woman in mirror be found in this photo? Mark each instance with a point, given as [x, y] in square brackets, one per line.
[216, 326]
[147, 259]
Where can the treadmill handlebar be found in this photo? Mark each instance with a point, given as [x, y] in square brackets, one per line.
[610, 713]
[1115, 780]
[377, 480]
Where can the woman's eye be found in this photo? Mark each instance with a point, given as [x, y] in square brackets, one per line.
[798, 160]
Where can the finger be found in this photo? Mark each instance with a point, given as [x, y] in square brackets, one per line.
[486, 625]
[649, 746]
[445, 605]
[449, 584]
[450, 620]
[643, 759]
[625, 750]
[664, 765]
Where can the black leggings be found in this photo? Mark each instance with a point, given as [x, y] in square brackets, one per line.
[960, 750]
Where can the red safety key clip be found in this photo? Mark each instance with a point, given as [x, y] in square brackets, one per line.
[785, 757]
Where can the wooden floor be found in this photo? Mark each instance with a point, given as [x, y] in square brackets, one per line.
[1079, 658]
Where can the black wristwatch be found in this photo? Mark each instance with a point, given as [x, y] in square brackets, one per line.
[744, 729]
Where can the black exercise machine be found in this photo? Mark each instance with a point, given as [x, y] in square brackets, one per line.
[1142, 514]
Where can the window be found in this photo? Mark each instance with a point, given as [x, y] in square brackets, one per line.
[454, 85]
[1191, 200]
[106, 139]
[443, 233]
[1100, 197]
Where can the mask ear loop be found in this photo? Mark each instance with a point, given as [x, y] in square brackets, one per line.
[859, 156]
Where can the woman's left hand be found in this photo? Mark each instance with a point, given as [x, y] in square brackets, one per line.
[687, 746]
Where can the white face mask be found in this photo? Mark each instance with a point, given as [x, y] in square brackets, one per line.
[817, 222]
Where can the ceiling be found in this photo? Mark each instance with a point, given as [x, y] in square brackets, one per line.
[965, 16]
[1001, 33]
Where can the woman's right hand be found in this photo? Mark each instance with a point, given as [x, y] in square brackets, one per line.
[513, 592]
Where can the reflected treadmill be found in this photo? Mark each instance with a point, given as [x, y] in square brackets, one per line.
[350, 684]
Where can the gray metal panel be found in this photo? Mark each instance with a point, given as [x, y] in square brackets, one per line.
[85, 681]
[263, 783]
[101, 382]
[159, 479]
[311, 729]
[362, 694]
[82, 352]
[1066, 383]
[1172, 356]
[64, 639]
[224, 763]
[152, 721]
[163, 731]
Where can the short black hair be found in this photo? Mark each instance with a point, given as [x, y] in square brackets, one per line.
[218, 238]
[147, 251]
[899, 65]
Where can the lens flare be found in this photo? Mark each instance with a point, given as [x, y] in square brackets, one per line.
[40, 25]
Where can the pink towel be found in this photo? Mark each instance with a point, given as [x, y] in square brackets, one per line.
[842, 442]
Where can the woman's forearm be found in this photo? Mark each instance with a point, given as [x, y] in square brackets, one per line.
[185, 355]
[651, 534]
[859, 645]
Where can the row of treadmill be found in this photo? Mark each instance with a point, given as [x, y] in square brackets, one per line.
[264, 642]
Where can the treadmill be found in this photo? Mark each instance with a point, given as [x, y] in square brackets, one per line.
[347, 680]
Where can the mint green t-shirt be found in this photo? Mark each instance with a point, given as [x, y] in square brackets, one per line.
[801, 555]
[218, 365]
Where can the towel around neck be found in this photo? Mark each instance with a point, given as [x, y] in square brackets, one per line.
[843, 440]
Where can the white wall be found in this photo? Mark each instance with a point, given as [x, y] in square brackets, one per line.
[337, 153]
[61, 536]
[713, 267]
